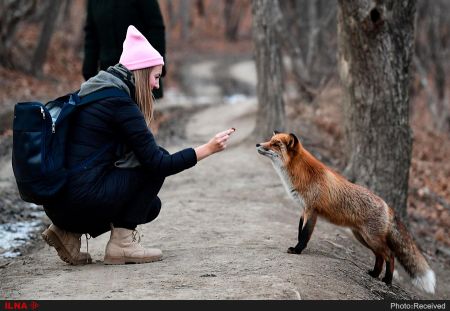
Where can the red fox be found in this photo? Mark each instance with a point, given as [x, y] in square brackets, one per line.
[322, 192]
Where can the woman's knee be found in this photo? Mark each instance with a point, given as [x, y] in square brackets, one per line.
[154, 209]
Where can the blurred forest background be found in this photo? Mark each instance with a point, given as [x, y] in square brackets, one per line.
[41, 53]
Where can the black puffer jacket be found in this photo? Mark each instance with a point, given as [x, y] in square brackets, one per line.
[106, 192]
[115, 120]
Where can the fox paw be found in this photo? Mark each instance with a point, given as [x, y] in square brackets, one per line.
[373, 274]
[292, 250]
[387, 280]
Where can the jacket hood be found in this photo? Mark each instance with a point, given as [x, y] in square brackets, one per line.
[115, 76]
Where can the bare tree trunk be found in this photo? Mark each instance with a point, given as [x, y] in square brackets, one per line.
[200, 5]
[437, 58]
[170, 13]
[302, 26]
[12, 12]
[46, 34]
[271, 113]
[293, 50]
[232, 13]
[185, 16]
[313, 32]
[375, 51]
[67, 5]
[431, 59]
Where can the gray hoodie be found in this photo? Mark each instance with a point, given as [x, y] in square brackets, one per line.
[105, 79]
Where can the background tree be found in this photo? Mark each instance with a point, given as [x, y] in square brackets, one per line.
[12, 13]
[307, 31]
[432, 57]
[375, 46]
[232, 14]
[271, 113]
[40, 53]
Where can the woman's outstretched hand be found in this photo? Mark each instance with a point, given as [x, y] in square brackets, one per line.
[216, 144]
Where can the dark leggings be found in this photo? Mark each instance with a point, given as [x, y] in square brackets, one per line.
[96, 220]
[139, 205]
[143, 209]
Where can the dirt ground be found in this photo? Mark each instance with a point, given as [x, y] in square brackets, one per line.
[224, 230]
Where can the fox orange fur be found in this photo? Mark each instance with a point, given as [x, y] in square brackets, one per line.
[322, 192]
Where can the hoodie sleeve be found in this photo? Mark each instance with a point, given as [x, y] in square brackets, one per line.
[130, 121]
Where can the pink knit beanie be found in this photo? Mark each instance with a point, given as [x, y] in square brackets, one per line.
[137, 52]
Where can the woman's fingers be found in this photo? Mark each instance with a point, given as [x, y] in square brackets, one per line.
[227, 132]
[220, 139]
[223, 138]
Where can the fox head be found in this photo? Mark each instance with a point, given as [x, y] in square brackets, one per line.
[281, 148]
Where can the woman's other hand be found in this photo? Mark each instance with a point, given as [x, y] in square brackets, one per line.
[216, 144]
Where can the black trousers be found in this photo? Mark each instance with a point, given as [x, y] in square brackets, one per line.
[130, 202]
[96, 220]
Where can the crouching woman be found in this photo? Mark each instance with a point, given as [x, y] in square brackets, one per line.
[119, 189]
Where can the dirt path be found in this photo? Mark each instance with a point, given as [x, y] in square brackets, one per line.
[224, 230]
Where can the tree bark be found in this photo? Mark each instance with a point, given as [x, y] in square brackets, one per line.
[48, 28]
[232, 13]
[12, 13]
[271, 113]
[302, 26]
[185, 16]
[441, 110]
[375, 48]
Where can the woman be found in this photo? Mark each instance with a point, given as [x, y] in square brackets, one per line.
[119, 190]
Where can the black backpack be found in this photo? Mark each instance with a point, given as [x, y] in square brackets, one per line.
[39, 144]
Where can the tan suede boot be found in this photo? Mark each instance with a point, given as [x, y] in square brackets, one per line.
[123, 247]
[67, 244]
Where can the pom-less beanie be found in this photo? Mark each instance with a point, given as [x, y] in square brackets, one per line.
[137, 52]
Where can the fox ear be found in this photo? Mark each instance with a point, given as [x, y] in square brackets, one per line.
[293, 142]
[275, 132]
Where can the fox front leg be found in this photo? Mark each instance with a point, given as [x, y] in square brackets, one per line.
[291, 250]
[304, 233]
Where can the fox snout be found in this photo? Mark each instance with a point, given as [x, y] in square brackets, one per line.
[260, 148]
[264, 151]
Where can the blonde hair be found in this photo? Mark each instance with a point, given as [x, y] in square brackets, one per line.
[144, 96]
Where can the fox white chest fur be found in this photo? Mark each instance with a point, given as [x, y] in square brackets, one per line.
[286, 180]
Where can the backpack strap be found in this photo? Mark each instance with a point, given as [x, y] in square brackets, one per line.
[98, 95]
[73, 101]
[92, 97]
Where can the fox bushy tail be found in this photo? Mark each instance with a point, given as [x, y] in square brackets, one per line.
[410, 257]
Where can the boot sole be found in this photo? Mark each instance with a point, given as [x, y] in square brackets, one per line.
[53, 240]
[128, 260]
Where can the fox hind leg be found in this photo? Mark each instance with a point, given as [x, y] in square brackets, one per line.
[379, 260]
[359, 237]
[389, 270]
